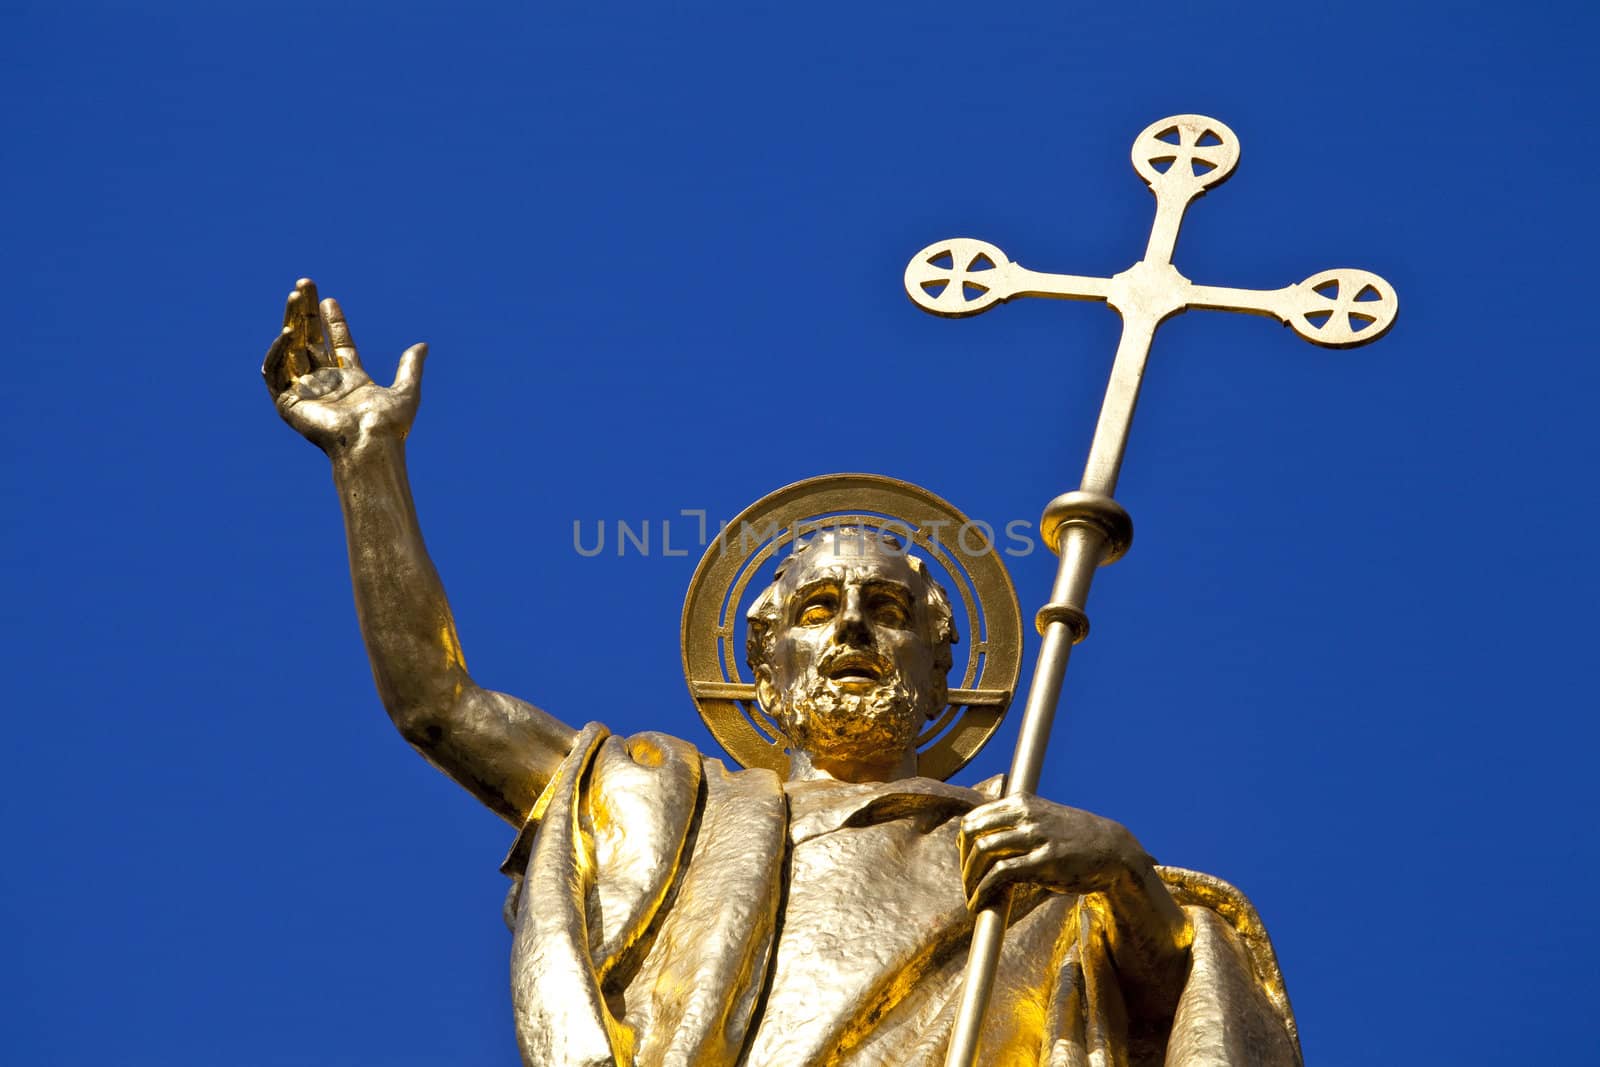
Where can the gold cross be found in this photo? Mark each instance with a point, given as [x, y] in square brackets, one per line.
[1179, 158]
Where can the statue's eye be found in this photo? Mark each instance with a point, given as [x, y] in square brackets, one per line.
[817, 611]
[890, 612]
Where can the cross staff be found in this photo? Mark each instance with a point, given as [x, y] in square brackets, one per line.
[1179, 158]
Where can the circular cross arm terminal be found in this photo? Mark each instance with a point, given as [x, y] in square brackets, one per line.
[959, 276]
[1343, 308]
[1185, 154]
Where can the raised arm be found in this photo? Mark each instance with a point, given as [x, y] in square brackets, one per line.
[499, 748]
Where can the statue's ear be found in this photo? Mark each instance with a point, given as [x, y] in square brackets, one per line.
[766, 691]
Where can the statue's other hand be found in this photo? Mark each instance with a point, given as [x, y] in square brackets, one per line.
[1027, 839]
[315, 377]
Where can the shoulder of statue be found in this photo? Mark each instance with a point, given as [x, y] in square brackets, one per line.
[652, 748]
[657, 763]
[1208, 891]
[572, 767]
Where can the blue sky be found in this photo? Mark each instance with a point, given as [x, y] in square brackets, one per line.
[657, 254]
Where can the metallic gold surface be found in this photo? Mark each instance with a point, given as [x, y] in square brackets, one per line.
[822, 923]
[667, 910]
[1179, 158]
[991, 620]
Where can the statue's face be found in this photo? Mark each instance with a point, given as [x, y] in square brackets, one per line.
[851, 676]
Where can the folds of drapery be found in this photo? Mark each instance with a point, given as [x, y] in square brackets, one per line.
[654, 928]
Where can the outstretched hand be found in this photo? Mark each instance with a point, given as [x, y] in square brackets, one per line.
[315, 377]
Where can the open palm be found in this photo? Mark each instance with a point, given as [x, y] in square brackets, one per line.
[315, 377]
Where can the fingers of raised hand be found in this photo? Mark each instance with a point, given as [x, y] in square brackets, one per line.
[300, 314]
[298, 348]
[344, 347]
[277, 370]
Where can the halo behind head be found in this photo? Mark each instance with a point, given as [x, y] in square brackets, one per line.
[886, 508]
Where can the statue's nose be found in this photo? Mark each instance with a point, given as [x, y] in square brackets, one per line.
[852, 621]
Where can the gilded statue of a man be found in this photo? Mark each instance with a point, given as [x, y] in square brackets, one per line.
[669, 910]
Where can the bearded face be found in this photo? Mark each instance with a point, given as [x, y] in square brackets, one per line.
[851, 675]
[830, 722]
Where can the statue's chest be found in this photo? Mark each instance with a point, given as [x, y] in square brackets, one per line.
[868, 910]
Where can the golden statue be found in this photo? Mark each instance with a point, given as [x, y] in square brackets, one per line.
[817, 906]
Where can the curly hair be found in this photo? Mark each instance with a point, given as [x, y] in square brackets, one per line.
[764, 614]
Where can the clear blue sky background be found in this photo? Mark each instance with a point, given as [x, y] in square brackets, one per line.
[657, 252]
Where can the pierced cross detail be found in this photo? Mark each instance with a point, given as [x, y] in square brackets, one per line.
[1179, 158]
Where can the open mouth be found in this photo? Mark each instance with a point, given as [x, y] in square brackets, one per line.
[855, 669]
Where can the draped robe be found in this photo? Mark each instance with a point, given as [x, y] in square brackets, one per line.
[671, 913]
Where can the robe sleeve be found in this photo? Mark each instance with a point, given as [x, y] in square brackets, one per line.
[1234, 1008]
[645, 910]
[602, 849]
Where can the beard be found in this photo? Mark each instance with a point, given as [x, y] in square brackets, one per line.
[820, 719]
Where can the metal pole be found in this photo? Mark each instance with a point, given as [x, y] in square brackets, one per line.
[1087, 529]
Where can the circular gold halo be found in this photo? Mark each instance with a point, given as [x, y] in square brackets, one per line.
[714, 604]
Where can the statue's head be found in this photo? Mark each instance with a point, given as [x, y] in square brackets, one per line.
[850, 648]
